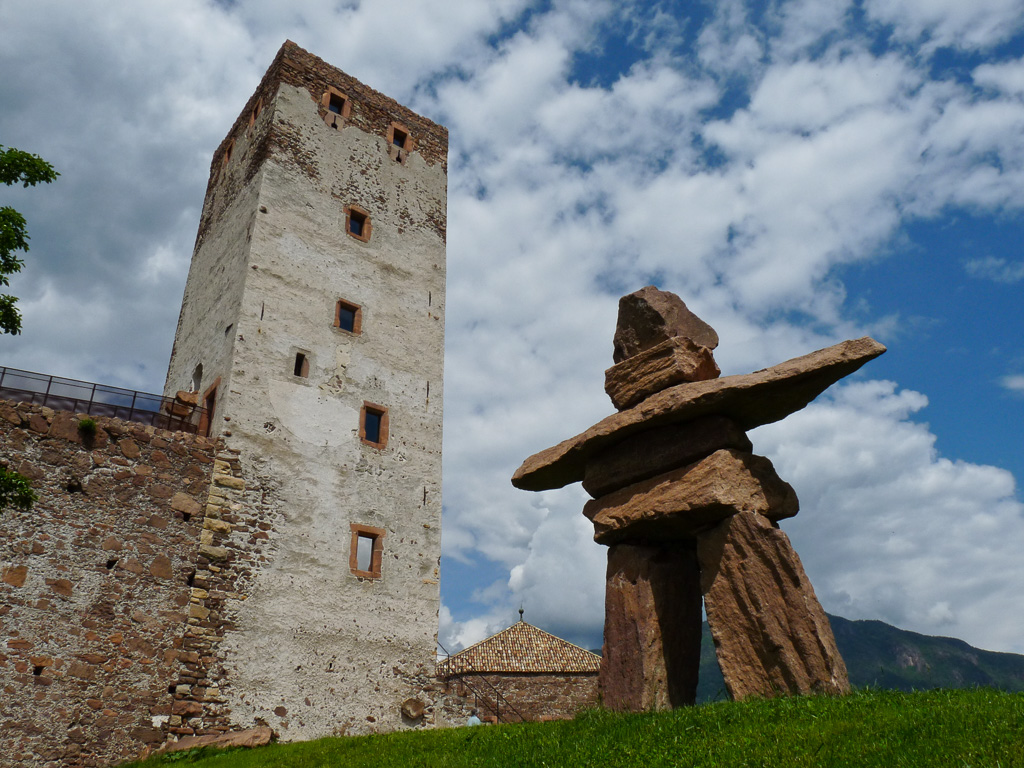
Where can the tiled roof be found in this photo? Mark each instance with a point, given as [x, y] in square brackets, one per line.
[521, 648]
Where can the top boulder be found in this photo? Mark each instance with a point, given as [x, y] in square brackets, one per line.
[649, 316]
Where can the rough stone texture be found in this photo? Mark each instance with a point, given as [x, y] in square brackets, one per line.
[95, 591]
[679, 504]
[533, 696]
[750, 400]
[649, 316]
[252, 737]
[272, 261]
[771, 635]
[652, 628]
[658, 450]
[413, 708]
[671, 362]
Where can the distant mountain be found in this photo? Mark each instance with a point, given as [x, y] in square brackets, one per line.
[879, 655]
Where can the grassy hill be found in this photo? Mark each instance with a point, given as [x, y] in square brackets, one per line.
[883, 729]
[878, 655]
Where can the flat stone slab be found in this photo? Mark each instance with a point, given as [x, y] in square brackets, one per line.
[659, 450]
[679, 504]
[750, 400]
[771, 635]
[254, 737]
[664, 365]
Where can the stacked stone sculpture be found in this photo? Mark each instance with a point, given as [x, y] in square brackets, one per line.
[690, 514]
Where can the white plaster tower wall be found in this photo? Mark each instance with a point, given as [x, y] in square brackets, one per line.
[323, 641]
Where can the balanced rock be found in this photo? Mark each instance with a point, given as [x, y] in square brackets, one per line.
[771, 635]
[648, 317]
[671, 362]
[652, 628]
[678, 505]
[658, 450]
[750, 400]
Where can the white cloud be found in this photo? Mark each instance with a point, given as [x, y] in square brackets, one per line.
[890, 529]
[938, 23]
[997, 269]
[1014, 383]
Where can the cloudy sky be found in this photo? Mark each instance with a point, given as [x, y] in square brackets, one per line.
[799, 172]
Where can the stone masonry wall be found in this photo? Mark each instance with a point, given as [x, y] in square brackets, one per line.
[96, 586]
[534, 696]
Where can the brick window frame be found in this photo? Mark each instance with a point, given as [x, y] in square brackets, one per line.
[399, 148]
[334, 119]
[376, 535]
[357, 320]
[361, 215]
[382, 436]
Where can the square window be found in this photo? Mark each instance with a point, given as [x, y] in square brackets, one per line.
[336, 107]
[348, 317]
[367, 551]
[357, 223]
[373, 425]
[399, 142]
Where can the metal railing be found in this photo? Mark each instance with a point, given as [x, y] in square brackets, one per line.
[444, 669]
[98, 400]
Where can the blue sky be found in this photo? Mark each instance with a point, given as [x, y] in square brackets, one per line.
[799, 172]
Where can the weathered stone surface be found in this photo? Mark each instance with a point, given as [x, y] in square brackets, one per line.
[671, 362]
[750, 400]
[651, 628]
[65, 427]
[182, 502]
[771, 635]
[413, 708]
[648, 317]
[658, 450]
[15, 575]
[679, 504]
[161, 567]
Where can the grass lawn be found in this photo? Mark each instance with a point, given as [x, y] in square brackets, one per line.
[945, 728]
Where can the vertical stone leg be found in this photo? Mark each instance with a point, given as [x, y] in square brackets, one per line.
[651, 628]
[771, 634]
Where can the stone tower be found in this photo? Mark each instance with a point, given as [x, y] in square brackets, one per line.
[312, 327]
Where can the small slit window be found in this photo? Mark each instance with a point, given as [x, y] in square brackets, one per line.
[373, 425]
[367, 551]
[301, 368]
[348, 317]
[255, 112]
[357, 223]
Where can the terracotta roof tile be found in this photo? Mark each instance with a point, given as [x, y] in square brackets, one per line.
[521, 648]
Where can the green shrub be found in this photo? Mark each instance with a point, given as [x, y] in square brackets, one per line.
[87, 426]
[15, 490]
